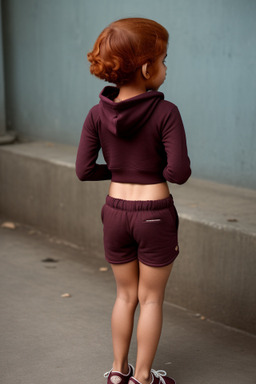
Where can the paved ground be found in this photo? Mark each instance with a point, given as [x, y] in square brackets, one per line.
[50, 339]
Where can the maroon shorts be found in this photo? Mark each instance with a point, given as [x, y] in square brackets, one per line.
[143, 230]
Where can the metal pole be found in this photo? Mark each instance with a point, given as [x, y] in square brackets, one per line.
[5, 138]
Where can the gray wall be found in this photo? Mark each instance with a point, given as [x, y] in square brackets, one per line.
[211, 73]
[2, 94]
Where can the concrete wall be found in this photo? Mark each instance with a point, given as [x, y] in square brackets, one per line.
[2, 95]
[211, 73]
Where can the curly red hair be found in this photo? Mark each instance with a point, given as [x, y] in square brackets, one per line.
[124, 46]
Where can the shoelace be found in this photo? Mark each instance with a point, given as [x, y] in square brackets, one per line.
[106, 374]
[159, 375]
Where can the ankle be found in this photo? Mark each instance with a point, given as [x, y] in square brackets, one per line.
[122, 367]
[143, 377]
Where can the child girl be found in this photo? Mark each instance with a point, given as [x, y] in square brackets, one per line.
[144, 145]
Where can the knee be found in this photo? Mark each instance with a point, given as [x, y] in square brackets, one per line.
[147, 297]
[129, 297]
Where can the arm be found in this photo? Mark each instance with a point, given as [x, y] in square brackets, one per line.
[87, 154]
[178, 168]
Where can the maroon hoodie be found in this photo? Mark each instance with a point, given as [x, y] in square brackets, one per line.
[142, 139]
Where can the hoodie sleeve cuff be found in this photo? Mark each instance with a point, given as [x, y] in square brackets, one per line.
[99, 172]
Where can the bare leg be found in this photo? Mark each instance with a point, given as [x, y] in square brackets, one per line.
[151, 291]
[126, 276]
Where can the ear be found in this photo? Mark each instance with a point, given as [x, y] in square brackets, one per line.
[144, 71]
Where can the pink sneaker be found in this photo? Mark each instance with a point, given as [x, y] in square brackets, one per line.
[158, 377]
[115, 377]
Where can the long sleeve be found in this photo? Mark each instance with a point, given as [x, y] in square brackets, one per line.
[178, 168]
[86, 167]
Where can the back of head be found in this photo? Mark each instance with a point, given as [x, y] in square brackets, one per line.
[124, 46]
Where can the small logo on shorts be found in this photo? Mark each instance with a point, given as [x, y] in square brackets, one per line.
[152, 220]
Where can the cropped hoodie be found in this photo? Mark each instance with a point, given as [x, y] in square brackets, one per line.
[142, 139]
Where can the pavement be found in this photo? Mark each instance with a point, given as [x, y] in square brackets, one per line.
[55, 307]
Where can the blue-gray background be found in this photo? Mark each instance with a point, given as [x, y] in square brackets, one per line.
[211, 73]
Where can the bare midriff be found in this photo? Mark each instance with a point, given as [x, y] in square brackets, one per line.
[126, 191]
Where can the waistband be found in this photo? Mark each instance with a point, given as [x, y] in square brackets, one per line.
[139, 205]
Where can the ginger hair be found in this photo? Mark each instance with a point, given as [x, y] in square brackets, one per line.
[124, 46]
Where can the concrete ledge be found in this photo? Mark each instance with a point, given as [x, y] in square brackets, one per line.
[215, 272]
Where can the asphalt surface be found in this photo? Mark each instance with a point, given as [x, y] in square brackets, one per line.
[48, 338]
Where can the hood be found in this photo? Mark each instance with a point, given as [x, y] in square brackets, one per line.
[125, 118]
